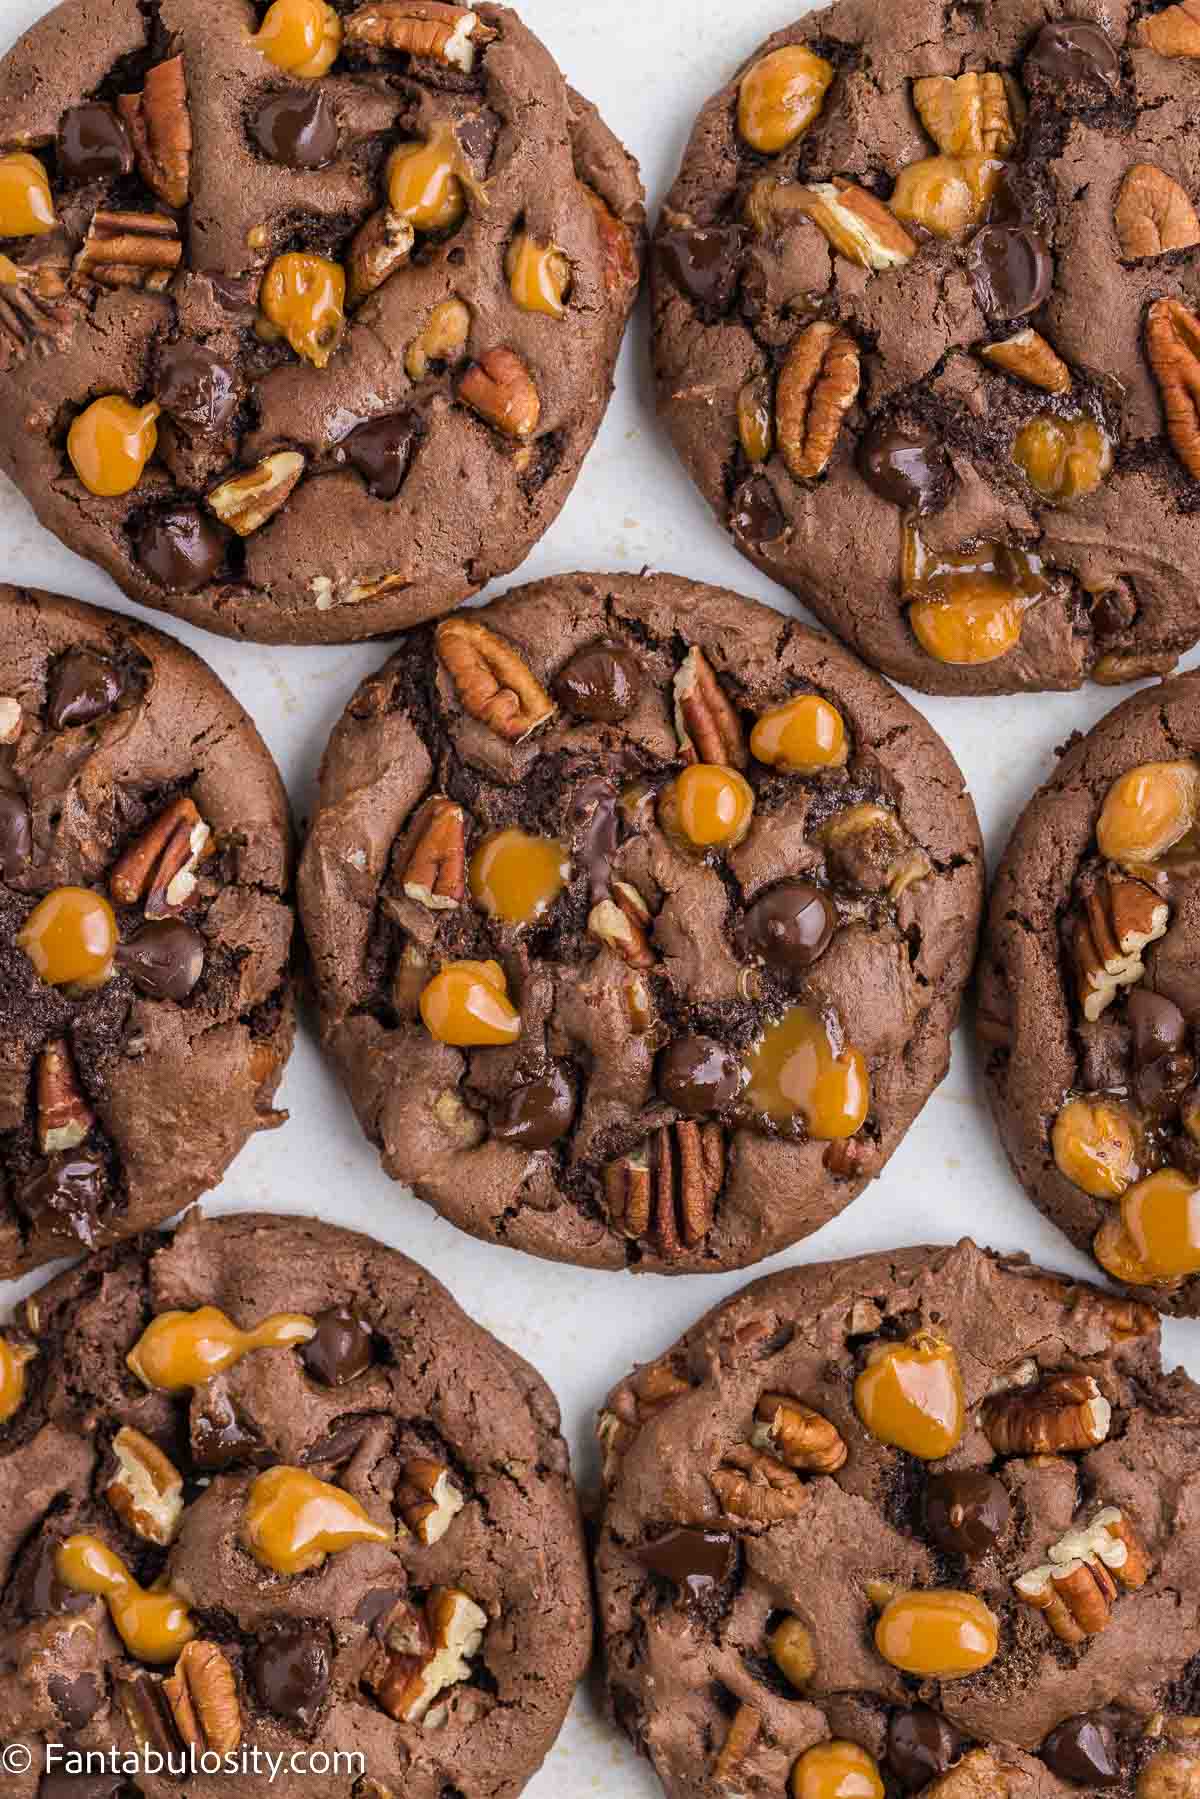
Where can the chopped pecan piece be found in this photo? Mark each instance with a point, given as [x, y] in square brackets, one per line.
[743, 1734]
[203, 1696]
[146, 1492]
[160, 125]
[859, 226]
[381, 246]
[798, 1435]
[653, 1387]
[1028, 356]
[501, 390]
[1175, 32]
[494, 683]
[706, 720]
[621, 267]
[426, 1655]
[64, 1118]
[977, 1776]
[1117, 669]
[1077, 1586]
[1153, 214]
[756, 1488]
[435, 868]
[818, 384]
[160, 866]
[970, 115]
[622, 923]
[1064, 1412]
[1173, 346]
[447, 34]
[129, 249]
[429, 1499]
[1121, 916]
[668, 1188]
[248, 501]
[33, 312]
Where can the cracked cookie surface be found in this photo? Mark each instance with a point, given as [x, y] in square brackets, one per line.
[773, 1513]
[145, 901]
[640, 917]
[351, 321]
[987, 481]
[439, 1637]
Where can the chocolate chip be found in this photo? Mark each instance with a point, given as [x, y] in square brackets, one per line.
[76, 1701]
[966, 1513]
[594, 815]
[337, 1445]
[93, 144]
[1159, 1088]
[536, 1113]
[600, 683]
[197, 387]
[341, 1349]
[1083, 1749]
[696, 1560]
[703, 264]
[220, 1437]
[1011, 270]
[1159, 1027]
[290, 1669]
[906, 465]
[16, 834]
[921, 1746]
[297, 129]
[382, 451]
[181, 548]
[1074, 53]
[65, 1196]
[698, 1075]
[38, 1591]
[164, 959]
[790, 927]
[83, 686]
[756, 515]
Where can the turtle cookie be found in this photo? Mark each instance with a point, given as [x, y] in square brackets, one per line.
[640, 917]
[918, 1522]
[308, 314]
[926, 333]
[145, 929]
[269, 1498]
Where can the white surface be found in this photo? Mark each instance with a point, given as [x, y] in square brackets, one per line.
[649, 68]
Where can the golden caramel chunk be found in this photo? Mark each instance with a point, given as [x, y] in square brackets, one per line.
[792, 1651]
[181, 1350]
[836, 1770]
[1161, 1216]
[154, 1625]
[301, 36]
[911, 1395]
[71, 938]
[756, 419]
[14, 1359]
[1148, 810]
[26, 204]
[939, 1635]
[803, 737]
[708, 808]
[781, 96]
[1095, 1146]
[517, 877]
[110, 444]
[948, 195]
[467, 1004]
[293, 1521]
[1117, 1254]
[425, 183]
[968, 606]
[304, 297]
[792, 1071]
[539, 275]
[1064, 459]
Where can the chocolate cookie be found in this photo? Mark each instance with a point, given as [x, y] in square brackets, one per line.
[305, 331]
[640, 917]
[916, 1522]
[1089, 996]
[352, 1505]
[145, 928]
[927, 338]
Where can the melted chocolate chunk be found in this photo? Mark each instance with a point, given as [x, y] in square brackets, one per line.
[1075, 53]
[298, 129]
[38, 1591]
[93, 144]
[906, 465]
[756, 515]
[966, 1513]
[16, 834]
[697, 1561]
[1011, 270]
[197, 387]
[1083, 1749]
[164, 959]
[599, 683]
[921, 1746]
[1159, 1027]
[66, 1196]
[704, 264]
[82, 688]
[382, 451]
[537, 1113]
[76, 1701]
[290, 1669]
[182, 548]
[341, 1349]
[791, 926]
[220, 1437]
[698, 1076]
[1160, 1086]
[594, 808]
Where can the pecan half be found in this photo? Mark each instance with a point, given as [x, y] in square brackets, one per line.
[970, 115]
[435, 868]
[1153, 214]
[203, 1696]
[443, 338]
[160, 125]
[818, 384]
[657, 1385]
[706, 720]
[248, 501]
[1086, 1569]
[1064, 1412]
[859, 226]
[64, 1117]
[428, 1499]
[667, 1190]
[129, 249]
[801, 1437]
[494, 683]
[1121, 916]
[1030, 358]
[380, 247]
[426, 1655]
[743, 1734]
[447, 34]
[622, 923]
[146, 1492]
[1175, 32]
[617, 245]
[160, 866]
[1173, 346]
[148, 1713]
[501, 390]
[756, 1488]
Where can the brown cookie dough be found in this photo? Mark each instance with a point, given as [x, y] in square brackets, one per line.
[925, 1518]
[932, 357]
[440, 1639]
[145, 928]
[640, 917]
[1089, 996]
[360, 311]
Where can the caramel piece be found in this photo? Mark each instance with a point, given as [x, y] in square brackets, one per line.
[302, 37]
[938, 1635]
[110, 444]
[517, 877]
[14, 1358]
[1161, 1216]
[792, 1070]
[539, 276]
[26, 204]
[948, 195]
[836, 1770]
[427, 183]
[803, 737]
[1064, 459]
[1148, 810]
[304, 297]
[154, 1624]
[1095, 1146]
[968, 607]
[293, 1521]
[181, 1350]
[71, 938]
[781, 96]
[467, 1005]
[708, 807]
[911, 1395]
